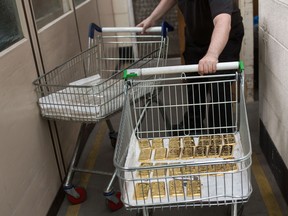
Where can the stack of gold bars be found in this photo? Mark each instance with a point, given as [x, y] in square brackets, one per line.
[153, 152]
[185, 148]
[176, 188]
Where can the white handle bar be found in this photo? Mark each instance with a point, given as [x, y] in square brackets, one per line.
[180, 69]
[130, 29]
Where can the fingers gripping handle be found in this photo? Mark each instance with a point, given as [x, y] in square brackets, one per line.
[179, 69]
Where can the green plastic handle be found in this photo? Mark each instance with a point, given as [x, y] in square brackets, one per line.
[241, 66]
[127, 75]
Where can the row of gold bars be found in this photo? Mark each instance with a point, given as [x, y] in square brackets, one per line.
[185, 170]
[185, 148]
[176, 188]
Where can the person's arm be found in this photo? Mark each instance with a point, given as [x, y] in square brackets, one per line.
[220, 36]
[162, 8]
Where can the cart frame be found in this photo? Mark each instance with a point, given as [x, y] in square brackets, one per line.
[146, 120]
[89, 87]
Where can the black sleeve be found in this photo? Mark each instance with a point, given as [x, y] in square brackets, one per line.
[220, 6]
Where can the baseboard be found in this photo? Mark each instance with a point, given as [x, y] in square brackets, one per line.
[275, 161]
[56, 205]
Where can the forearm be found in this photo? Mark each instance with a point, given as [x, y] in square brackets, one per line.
[220, 35]
[162, 8]
[219, 39]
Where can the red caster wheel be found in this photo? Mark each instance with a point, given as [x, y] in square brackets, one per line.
[82, 196]
[114, 202]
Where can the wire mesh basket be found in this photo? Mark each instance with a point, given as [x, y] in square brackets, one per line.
[199, 164]
[89, 87]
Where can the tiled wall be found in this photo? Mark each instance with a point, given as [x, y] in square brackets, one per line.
[273, 72]
[106, 13]
[121, 13]
[114, 13]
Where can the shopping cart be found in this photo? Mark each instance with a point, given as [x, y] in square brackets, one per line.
[89, 87]
[160, 165]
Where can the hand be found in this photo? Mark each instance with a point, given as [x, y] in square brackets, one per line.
[207, 64]
[146, 23]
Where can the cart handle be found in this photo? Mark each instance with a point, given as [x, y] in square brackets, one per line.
[129, 73]
[164, 28]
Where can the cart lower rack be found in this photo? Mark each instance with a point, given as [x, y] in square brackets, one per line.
[167, 157]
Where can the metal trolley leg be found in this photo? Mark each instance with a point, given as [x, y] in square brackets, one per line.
[112, 133]
[236, 209]
[145, 212]
[77, 195]
[113, 201]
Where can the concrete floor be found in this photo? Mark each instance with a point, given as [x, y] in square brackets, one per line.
[99, 154]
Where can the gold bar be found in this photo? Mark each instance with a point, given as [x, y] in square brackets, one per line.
[144, 143]
[144, 173]
[214, 169]
[157, 143]
[218, 136]
[187, 153]
[229, 158]
[176, 188]
[160, 172]
[141, 191]
[217, 142]
[193, 188]
[227, 151]
[211, 168]
[204, 142]
[157, 140]
[160, 154]
[214, 151]
[174, 139]
[203, 169]
[219, 168]
[175, 171]
[190, 170]
[174, 153]
[204, 138]
[200, 151]
[188, 142]
[188, 139]
[158, 190]
[230, 141]
[174, 144]
[228, 136]
[230, 167]
[145, 155]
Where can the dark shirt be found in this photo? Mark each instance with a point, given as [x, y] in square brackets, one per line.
[199, 15]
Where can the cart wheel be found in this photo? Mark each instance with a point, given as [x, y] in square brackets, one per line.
[115, 206]
[113, 138]
[82, 196]
[240, 209]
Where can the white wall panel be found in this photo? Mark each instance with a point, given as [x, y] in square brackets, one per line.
[273, 76]
[29, 176]
[26, 150]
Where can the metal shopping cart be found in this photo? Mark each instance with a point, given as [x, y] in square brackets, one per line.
[160, 165]
[89, 87]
